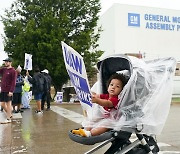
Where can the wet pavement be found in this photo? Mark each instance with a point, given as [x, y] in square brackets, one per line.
[31, 133]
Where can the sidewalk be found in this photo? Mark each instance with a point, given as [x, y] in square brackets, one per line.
[38, 134]
[30, 133]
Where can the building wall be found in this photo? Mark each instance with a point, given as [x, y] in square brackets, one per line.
[127, 29]
[177, 73]
[107, 39]
[120, 37]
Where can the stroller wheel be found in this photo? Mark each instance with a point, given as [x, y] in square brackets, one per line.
[152, 143]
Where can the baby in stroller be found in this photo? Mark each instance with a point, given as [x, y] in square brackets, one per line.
[142, 109]
[108, 101]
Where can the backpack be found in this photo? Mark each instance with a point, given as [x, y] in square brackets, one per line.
[41, 84]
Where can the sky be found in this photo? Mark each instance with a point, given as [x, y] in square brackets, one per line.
[105, 4]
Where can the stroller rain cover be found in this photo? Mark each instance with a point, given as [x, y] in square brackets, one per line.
[144, 102]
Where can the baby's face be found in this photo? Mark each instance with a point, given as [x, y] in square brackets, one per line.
[115, 87]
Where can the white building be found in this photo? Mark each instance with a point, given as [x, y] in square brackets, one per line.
[153, 32]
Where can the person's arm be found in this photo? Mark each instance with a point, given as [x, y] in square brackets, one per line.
[30, 79]
[102, 102]
[13, 83]
[1, 70]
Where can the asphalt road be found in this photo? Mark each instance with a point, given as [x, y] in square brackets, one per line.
[48, 133]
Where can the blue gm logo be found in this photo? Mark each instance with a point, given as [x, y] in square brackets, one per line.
[134, 19]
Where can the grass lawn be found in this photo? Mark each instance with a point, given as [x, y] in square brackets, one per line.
[176, 99]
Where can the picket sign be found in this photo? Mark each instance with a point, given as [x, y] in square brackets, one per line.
[28, 62]
[59, 97]
[77, 72]
[30, 95]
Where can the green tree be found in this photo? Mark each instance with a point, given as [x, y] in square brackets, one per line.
[37, 27]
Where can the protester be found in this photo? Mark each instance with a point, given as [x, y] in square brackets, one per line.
[8, 83]
[37, 82]
[18, 91]
[0, 92]
[25, 94]
[46, 97]
[108, 101]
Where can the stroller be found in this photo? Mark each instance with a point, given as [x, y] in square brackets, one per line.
[142, 110]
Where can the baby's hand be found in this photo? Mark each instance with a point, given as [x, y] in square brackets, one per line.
[93, 93]
[94, 97]
[27, 73]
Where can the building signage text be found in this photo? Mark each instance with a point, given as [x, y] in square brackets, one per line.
[155, 21]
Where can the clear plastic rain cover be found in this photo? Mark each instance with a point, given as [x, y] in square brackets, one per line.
[144, 102]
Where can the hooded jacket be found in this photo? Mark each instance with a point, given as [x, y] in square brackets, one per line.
[8, 80]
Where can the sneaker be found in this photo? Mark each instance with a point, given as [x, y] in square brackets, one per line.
[48, 109]
[6, 121]
[19, 111]
[38, 112]
[24, 108]
[16, 111]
